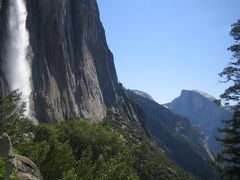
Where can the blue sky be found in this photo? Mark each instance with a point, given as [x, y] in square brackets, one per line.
[164, 46]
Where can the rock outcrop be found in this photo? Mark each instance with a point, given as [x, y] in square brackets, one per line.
[24, 167]
[200, 109]
[5, 146]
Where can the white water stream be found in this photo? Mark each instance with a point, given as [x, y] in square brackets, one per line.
[16, 65]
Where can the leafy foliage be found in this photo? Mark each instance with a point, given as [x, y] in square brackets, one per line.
[79, 149]
[163, 125]
[2, 168]
[151, 162]
[82, 150]
[12, 119]
[232, 72]
[229, 157]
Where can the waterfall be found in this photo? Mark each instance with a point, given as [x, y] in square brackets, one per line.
[16, 65]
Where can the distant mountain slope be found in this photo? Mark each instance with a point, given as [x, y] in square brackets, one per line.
[200, 109]
[182, 142]
[143, 94]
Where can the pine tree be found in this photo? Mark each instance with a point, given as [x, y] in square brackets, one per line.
[229, 158]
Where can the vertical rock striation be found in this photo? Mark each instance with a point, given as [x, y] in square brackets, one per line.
[3, 81]
[73, 71]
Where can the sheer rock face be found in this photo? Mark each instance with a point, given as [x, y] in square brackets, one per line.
[73, 72]
[3, 82]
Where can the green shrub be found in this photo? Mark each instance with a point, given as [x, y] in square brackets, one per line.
[80, 149]
[13, 174]
[12, 119]
[2, 167]
[83, 150]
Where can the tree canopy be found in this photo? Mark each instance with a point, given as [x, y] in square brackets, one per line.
[229, 158]
[79, 149]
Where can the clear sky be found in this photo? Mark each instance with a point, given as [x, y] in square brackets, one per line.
[164, 46]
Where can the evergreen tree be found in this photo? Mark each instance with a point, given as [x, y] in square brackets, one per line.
[229, 158]
[12, 118]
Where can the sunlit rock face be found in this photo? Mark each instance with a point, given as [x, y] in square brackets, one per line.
[71, 72]
[201, 110]
[72, 68]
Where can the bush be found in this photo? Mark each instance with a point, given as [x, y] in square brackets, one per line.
[82, 150]
[3, 173]
[12, 119]
[79, 149]
[2, 168]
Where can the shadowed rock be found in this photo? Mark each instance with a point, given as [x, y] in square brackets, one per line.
[5, 146]
[25, 168]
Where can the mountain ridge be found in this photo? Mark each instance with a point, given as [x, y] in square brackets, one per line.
[143, 94]
[201, 110]
[177, 136]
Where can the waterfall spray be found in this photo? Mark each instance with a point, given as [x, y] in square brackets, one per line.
[16, 65]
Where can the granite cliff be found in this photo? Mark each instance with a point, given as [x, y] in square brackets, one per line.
[73, 72]
[200, 109]
[3, 82]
